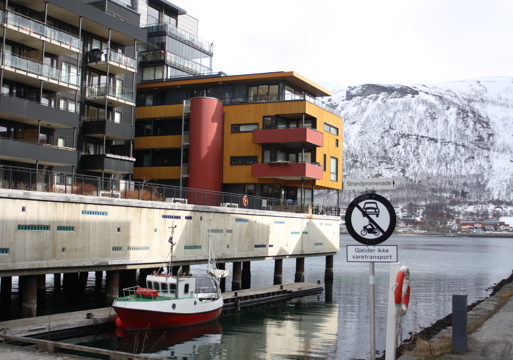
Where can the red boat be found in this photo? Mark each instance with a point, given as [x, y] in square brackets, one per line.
[170, 301]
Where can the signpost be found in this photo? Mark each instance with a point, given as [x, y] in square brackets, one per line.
[370, 220]
[369, 184]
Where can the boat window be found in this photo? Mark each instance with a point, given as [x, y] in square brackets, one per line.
[163, 287]
[186, 289]
[156, 286]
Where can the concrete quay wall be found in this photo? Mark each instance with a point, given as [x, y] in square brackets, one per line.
[47, 232]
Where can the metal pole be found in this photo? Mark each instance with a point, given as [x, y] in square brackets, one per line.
[372, 283]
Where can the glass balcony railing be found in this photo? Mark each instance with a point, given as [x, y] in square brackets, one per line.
[115, 92]
[179, 34]
[113, 56]
[19, 63]
[40, 29]
[178, 61]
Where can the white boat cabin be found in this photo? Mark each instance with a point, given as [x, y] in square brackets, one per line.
[166, 285]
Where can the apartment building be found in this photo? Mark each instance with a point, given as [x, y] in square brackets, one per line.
[264, 134]
[67, 78]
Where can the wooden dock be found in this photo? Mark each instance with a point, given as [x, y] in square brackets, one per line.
[24, 331]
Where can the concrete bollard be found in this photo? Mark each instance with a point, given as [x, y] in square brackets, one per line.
[459, 324]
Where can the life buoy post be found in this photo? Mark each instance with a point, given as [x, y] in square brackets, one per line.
[402, 291]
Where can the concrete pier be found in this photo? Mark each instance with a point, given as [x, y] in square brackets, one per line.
[111, 286]
[328, 273]
[237, 276]
[278, 272]
[246, 275]
[300, 270]
[28, 293]
[5, 296]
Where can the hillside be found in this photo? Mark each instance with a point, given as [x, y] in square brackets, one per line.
[445, 143]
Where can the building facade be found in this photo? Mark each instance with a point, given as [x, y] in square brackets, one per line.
[67, 78]
[265, 134]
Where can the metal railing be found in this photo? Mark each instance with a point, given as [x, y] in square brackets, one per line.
[95, 55]
[52, 73]
[111, 91]
[35, 27]
[26, 179]
[182, 35]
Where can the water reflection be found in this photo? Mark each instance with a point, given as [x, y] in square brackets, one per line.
[335, 324]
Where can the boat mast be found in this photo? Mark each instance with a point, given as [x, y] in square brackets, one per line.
[172, 244]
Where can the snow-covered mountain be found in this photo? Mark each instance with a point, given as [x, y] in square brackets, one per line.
[445, 142]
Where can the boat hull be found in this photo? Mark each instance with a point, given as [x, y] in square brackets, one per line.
[140, 319]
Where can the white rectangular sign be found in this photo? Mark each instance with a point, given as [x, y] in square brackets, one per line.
[369, 184]
[377, 253]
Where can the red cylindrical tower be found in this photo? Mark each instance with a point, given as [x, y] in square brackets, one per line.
[206, 149]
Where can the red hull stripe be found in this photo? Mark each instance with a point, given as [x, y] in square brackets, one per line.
[142, 319]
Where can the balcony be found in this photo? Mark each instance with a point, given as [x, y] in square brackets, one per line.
[117, 63]
[32, 33]
[31, 152]
[31, 112]
[112, 130]
[182, 36]
[115, 96]
[31, 73]
[108, 163]
[286, 170]
[160, 56]
[295, 138]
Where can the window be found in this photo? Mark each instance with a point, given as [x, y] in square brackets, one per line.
[249, 189]
[324, 162]
[262, 93]
[334, 169]
[61, 141]
[331, 129]
[238, 128]
[243, 160]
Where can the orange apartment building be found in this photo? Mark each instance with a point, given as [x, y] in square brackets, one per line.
[265, 135]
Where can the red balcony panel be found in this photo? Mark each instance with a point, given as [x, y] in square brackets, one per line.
[301, 135]
[287, 171]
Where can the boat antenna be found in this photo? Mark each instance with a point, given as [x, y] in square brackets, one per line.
[172, 244]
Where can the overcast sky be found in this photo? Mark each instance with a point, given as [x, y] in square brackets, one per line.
[351, 42]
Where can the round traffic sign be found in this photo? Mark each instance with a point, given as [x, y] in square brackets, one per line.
[370, 219]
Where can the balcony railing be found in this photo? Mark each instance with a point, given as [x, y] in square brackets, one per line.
[42, 31]
[287, 97]
[182, 35]
[49, 181]
[178, 61]
[66, 79]
[119, 96]
[116, 59]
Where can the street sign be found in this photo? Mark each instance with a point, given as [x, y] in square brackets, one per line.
[380, 253]
[369, 184]
[370, 219]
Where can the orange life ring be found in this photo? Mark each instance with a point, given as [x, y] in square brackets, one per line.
[402, 290]
[245, 200]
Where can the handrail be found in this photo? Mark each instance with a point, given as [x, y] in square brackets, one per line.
[27, 179]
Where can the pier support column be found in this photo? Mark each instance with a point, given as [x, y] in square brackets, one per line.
[28, 290]
[186, 270]
[111, 286]
[328, 274]
[57, 284]
[300, 270]
[141, 279]
[5, 297]
[222, 281]
[41, 290]
[127, 278]
[70, 286]
[98, 284]
[237, 274]
[278, 272]
[246, 275]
